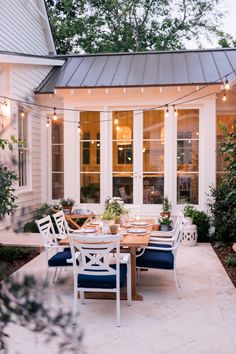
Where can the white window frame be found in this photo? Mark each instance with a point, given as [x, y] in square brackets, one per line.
[28, 186]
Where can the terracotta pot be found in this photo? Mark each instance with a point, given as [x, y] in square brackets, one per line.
[156, 227]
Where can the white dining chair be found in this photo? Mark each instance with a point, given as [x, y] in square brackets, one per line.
[98, 266]
[62, 224]
[57, 256]
[161, 253]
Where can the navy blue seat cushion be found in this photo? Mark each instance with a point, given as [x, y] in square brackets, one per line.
[156, 259]
[67, 249]
[60, 259]
[103, 281]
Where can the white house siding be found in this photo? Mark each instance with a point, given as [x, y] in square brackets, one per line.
[23, 80]
[24, 27]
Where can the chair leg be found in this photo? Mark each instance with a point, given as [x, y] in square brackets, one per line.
[81, 294]
[177, 285]
[55, 275]
[129, 296]
[118, 308]
[46, 279]
[75, 306]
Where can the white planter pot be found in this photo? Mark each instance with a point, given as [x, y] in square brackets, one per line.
[189, 220]
[189, 235]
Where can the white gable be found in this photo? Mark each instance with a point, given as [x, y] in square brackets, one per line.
[25, 27]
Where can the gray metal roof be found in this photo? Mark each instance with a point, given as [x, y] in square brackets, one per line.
[142, 69]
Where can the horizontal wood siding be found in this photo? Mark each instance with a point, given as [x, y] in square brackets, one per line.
[23, 28]
[24, 79]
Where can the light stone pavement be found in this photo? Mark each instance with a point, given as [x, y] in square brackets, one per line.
[203, 322]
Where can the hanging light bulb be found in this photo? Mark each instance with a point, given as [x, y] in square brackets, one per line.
[5, 102]
[78, 128]
[167, 111]
[54, 114]
[226, 85]
[22, 113]
[117, 128]
[224, 98]
[175, 111]
[48, 122]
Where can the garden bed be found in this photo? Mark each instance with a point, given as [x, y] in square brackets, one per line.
[14, 258]
[224, 251]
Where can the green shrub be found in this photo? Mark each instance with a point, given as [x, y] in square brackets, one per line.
[44, 210]
[202, 220]
[231, 261]
[11, 253]
[223, 210]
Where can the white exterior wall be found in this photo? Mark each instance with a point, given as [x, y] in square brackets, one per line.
[134, 98]
[23, 81]
[25, 27]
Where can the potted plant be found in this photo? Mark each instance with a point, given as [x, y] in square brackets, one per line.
[67, 205]
[166, 207]
[165, 223]
[188, 213]
[115, 208]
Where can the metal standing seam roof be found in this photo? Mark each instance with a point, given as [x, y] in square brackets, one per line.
[142, 69]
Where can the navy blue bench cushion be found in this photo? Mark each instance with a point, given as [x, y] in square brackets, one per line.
[156, 259]
[103, 281]
[67, 249]
[162, 245]
[60, 259]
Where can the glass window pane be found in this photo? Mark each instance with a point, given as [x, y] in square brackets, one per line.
[122, 157]
[123, 187]
[57, 132]
[153, 156]
[228, 121]
[187, 156]
[123, 127]
[153, 189]
[90, 157]
[22, 166]
[57, 158]
[187, 188]
[153, 125]
[89, 188]
[57, 185]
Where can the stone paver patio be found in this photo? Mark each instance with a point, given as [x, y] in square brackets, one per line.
[203, 322]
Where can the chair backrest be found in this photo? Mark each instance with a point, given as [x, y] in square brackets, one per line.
[61, 223]
[177, 232]
[46, 229]
[93, 253]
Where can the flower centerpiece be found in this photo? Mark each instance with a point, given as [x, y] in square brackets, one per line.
[114, 209]
[165, 223]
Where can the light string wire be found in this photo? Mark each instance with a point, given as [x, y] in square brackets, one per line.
[139, 111]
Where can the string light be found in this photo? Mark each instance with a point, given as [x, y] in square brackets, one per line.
[48, 122]
[167, 111]
[22, 113]
[226, 85]
[224, 98]
[5, 102]
[54, 114]
[175, 111]
[78, 128]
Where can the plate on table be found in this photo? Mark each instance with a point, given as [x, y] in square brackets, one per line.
[94, 222]
[139, 223]
[137, 231]
[87, 230]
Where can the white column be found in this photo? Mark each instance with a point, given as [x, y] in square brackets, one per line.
[70, 154]
[207, 150]
[170, 147]
[105, 156]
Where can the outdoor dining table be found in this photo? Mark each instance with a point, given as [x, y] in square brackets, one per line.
[129, 243]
